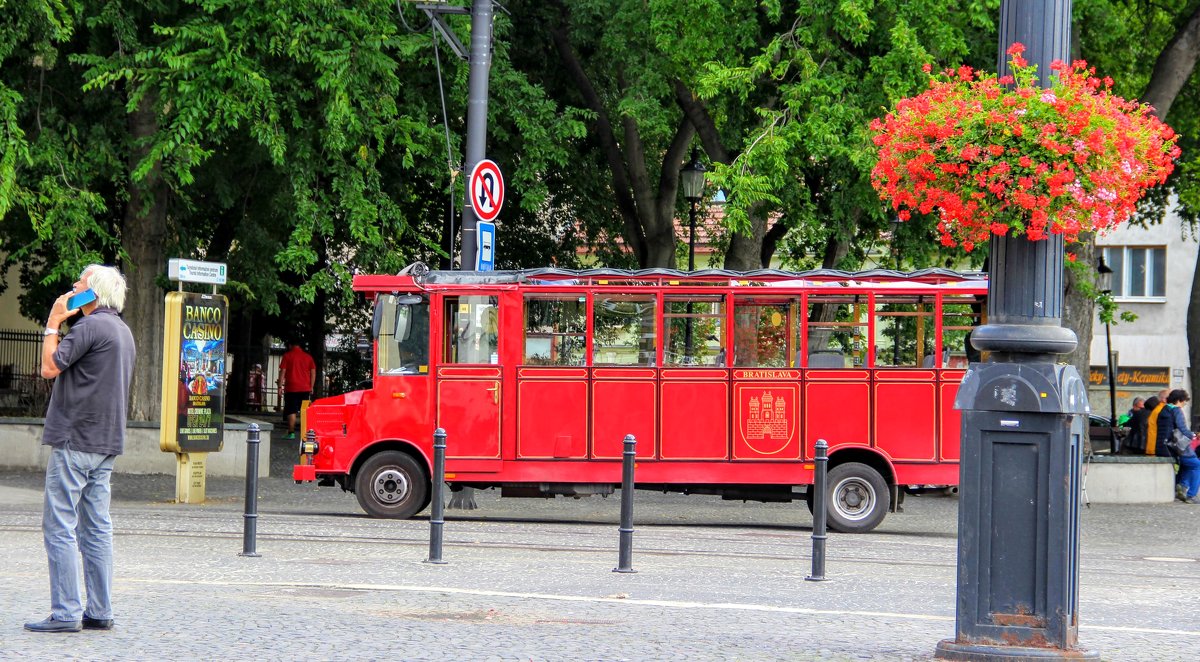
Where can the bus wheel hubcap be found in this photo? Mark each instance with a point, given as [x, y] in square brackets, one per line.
[854, 499]
[391, 486]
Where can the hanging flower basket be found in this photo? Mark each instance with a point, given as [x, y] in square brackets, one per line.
[1003, 156]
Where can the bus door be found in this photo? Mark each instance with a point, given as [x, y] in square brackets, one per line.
[624, 392]
[469, 377]
[960, 314]
[907, 358]
[837, 398]
[552, 380]
[766, 380]
[694, 391]
[402, 381]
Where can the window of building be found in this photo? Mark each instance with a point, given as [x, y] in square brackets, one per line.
[1139, 272]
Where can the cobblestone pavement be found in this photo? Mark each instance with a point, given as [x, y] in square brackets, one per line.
[532, 580]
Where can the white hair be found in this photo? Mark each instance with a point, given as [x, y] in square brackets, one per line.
[108, 284]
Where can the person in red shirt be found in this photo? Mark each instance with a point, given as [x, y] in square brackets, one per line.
[297, 375]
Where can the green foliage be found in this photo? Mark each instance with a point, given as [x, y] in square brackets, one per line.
[820, 71]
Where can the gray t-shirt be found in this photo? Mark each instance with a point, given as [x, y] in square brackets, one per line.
[90, 397]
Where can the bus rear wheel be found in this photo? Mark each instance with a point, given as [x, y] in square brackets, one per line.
[391, 485]
[858, 498]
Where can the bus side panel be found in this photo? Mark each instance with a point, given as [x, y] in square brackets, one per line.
[624, 401]
[949, 419]
[695, 415]
[766, 420]
[552, 414]
[837, 408]
[906, 414]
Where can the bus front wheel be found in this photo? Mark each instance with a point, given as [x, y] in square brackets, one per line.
[858, 498]
[392, 485]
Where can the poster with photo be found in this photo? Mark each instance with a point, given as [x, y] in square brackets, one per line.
[194, 373]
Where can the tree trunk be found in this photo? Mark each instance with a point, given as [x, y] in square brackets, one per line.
[1193, 324]
[746, 250]
[1174, 67]
[144, 238]
[1079, 310]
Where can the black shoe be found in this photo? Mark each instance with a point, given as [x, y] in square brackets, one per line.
[90, 623]
[51, 625]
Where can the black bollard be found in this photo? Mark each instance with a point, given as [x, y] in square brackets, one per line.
[438, 501]
[250, 518]
[820, 510]
[625, 554]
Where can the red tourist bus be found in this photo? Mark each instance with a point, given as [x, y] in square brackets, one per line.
[726, 379]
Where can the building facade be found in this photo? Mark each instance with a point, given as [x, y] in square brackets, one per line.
[1152, 278]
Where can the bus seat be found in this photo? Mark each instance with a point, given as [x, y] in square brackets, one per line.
[826, 359]
[927, 362]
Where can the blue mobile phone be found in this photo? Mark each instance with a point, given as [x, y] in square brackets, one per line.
[81, 299]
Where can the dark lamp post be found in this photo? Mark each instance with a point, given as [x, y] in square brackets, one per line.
[1104, 281]
[691, 180]
[1023, 426]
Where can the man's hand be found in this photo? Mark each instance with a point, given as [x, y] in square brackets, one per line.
[58, 315]
[59, 312]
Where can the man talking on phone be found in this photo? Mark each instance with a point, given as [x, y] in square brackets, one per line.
[85, 427]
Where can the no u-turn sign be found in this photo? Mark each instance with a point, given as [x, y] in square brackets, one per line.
[487, 190]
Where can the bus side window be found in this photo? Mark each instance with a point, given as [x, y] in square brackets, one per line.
[837, 331]
[761, 337]
[555, 330]
[904, 332]
[471, 330]
[404, 335]
[695, 330]
[624, 331]
[961, 313]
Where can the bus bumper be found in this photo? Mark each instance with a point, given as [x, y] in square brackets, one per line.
[304, 472]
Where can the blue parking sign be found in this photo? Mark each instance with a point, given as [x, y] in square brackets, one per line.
[485, 259]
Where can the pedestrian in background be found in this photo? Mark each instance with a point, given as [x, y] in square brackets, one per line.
[85, 427]
[1187, 482]
[297, 376]
[1135, 440]
[1138, 403]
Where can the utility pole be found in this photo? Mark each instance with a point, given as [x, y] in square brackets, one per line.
[477, 116]
[480, 63]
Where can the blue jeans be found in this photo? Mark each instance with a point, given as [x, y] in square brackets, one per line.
[1189, 474]
[77, 497]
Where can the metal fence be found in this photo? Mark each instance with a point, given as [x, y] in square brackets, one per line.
[23, 392]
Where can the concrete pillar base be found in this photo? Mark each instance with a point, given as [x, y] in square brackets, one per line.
[948, 649]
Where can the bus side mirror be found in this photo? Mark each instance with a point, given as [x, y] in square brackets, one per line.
[377, 320]
[404, 315]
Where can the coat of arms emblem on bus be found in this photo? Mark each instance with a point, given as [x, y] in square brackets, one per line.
[768, 423]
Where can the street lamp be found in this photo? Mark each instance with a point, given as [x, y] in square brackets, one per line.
[1104, 281]
[691, 180]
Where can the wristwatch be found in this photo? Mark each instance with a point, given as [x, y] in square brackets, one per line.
[50, 331]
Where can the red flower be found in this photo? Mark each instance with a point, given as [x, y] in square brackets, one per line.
[993, 160]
